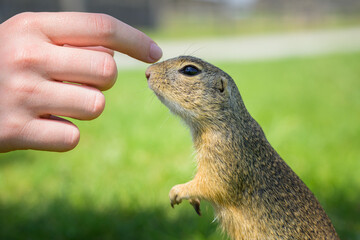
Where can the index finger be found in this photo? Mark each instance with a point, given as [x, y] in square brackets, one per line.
[93, 29]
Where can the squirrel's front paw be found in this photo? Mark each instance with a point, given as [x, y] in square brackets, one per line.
[178, 193]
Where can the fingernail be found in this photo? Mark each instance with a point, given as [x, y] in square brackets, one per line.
[155, 52]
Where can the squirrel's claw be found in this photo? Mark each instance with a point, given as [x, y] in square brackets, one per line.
[176, 196]
[174, 201]
[196, 204]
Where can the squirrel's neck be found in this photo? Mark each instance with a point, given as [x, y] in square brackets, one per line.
[233, 149]
[227, 129]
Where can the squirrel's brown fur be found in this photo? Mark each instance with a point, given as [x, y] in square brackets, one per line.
[254, 192]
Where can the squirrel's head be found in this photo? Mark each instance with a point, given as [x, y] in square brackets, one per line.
[193, 89]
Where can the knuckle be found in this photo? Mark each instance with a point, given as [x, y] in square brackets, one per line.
[27, 57]
[104, 25]
[23, 91]
[23, 52]
[9, 129]
[98, 104]
[104, 68]
[12, 133]
[26, 20]
[109, 71]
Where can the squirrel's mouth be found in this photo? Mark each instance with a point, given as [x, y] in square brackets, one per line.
[173, 106]
[155, 87]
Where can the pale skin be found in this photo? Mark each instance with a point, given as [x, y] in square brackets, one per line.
[57, 64]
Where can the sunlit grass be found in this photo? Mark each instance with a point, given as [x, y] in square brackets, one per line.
[181, 26]
[115, 184]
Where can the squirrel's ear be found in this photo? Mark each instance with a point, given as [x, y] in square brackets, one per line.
[222, 84]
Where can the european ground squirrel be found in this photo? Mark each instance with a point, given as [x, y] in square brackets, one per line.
[255, 194]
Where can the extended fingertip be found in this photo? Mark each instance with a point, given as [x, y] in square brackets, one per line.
[155, 52]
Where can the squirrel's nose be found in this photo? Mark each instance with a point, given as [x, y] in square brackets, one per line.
[147, 74]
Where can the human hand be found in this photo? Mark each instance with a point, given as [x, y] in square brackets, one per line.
[57, 64]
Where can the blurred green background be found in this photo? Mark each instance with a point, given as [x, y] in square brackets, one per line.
[115, 184]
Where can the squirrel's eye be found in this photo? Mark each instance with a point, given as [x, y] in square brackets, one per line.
[190, 70]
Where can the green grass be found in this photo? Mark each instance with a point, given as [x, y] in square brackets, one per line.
[115, 184]
[179, 26]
